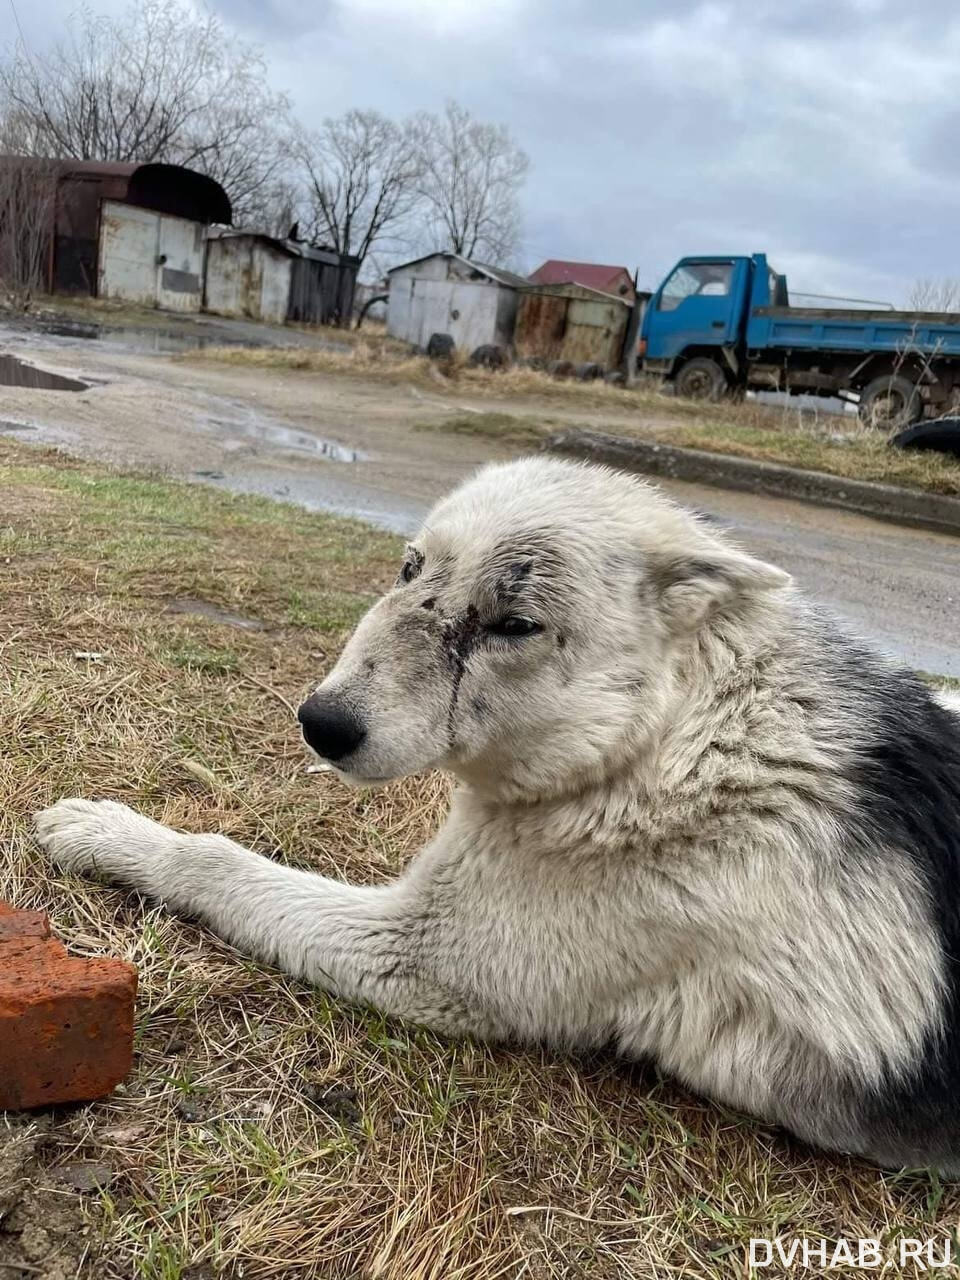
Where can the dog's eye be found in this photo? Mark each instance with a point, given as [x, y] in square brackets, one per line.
[410, 570]
[514, 628]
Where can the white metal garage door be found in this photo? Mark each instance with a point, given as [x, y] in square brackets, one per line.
[150, 258]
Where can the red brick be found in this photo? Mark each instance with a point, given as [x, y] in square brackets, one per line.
[66, 1023]
[23, 924]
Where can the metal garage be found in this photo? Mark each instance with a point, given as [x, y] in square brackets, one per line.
[150, 258]
[111, 224]
[249, 275]
[445, 293]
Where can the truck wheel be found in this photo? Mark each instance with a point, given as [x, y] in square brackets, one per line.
[701, 379]
[890, 402]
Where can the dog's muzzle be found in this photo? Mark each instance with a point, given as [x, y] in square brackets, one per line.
[331, 729]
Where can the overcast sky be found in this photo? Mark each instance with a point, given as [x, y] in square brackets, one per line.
[826, 132]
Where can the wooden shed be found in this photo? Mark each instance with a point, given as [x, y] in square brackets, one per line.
[571, 322]
[321, 285]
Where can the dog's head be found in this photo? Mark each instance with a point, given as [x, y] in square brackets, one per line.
[532, 633]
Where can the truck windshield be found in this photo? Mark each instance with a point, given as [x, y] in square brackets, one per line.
[700, 279]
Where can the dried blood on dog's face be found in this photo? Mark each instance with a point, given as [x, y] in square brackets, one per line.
[499, 652]
[438, 668]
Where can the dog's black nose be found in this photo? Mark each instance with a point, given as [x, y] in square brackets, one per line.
[330, 728]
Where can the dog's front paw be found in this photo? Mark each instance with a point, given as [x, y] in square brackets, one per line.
[104, 839]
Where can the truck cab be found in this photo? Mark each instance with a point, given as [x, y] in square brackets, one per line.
[697, 317]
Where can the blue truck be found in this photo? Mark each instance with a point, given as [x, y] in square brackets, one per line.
[719, 326]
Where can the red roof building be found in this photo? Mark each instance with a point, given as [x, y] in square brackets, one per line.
[592, 275]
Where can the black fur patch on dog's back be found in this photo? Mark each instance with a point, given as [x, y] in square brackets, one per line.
[907, 774]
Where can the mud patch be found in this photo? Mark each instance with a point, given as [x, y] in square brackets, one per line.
[17, 373]
[42, 1229]
[213, 613]
[70, 329]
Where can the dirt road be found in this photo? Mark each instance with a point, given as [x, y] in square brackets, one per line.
[366, 448]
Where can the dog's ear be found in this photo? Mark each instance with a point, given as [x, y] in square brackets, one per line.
[693, 589]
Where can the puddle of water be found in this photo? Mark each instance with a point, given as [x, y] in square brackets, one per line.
[165, 342]
[70, 329]
[170, 342]
[213, 612]
[148, 340]
[160, 341]
[263, 431]
[17, 373]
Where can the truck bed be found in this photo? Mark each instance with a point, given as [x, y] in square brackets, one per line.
[856, 331]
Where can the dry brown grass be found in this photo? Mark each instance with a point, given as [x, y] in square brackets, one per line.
[864, 455]
[111, 311]
[372, 337]
[229, 1157]
[859, 455]
[384, 359]
[792, 437]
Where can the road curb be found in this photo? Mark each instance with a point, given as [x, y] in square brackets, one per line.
[935, 511]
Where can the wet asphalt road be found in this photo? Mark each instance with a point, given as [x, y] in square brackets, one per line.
[899, 588]
[328, 445]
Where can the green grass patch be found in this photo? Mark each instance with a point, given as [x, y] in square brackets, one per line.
[855, 454]
[444, 1159]
[506, 427]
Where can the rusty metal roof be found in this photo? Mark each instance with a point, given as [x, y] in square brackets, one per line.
[229, 233]
[95, 168]
[499, 274]
[169, 188]
[322, 253]
[594, 275]
[572, 289]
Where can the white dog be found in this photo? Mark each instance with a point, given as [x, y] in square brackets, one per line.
[694, 818]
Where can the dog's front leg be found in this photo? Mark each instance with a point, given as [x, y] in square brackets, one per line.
[367, 944]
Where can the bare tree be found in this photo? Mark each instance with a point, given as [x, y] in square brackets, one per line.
[471, 177]
[935, 295]
[278, 206]
[163, 82]
[27, 193]
[361, 174]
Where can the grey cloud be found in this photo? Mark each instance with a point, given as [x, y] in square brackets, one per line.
[822, 130]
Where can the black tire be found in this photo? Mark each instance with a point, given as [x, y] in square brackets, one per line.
[441, 346]
[942, 434]
[701, 379]
[489, 356]
[890, 403]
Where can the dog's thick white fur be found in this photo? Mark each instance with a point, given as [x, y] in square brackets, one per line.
[694, 820]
